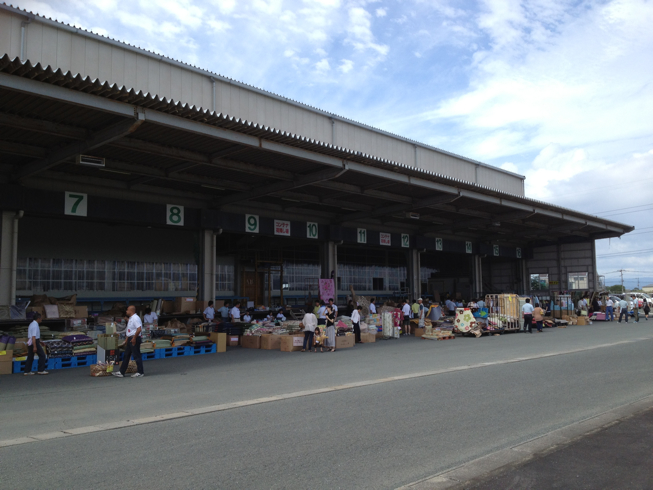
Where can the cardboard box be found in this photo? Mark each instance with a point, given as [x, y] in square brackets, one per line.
[291, 343]
[271, 342]
[6, 355]
[368, 338]
[233, 340]
[379, 335]
[419, 332]
[581, 320]
[220, 339]
[185, 304]
[76, 323]
[344, 342]
[251, 341]
[167, 307]
[81, 311]
[6, 358]
[108, 341]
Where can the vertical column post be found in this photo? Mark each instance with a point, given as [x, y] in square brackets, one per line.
[414, 276]
[8, 257]
[207, 265]
[329, 262]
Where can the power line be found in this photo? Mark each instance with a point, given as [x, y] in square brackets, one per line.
[634, 252]
[626, 212]
[621, 209]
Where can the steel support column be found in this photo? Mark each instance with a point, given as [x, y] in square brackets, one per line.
[8, 257]
[478, 275]
[329, 261]
[414, 276]
[207, 265]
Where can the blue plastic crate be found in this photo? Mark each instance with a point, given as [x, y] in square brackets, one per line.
[148, 356]
[67, 362]
[170, 352]
[85, 361]
[194, 350]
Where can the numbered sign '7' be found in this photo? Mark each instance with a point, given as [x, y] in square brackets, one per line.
[75, 204]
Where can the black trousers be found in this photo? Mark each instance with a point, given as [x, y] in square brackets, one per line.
[357, 331]
[132, 350]
[308, 338]
[623, 314]
[30, 357]
[528, 323]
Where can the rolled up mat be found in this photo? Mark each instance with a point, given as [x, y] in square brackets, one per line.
[3, 342]
[10, 343]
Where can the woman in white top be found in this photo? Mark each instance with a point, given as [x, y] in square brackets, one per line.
[150, 316]
[356, 320]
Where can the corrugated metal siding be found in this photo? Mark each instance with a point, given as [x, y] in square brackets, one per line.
[574, 257]
[57, 47]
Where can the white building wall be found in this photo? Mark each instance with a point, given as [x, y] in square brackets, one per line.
[54, 44]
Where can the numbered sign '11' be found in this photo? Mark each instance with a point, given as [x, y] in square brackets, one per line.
[361, 237]
[175, 215]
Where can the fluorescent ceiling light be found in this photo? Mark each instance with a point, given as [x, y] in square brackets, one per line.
[213, 187]
[115, 171]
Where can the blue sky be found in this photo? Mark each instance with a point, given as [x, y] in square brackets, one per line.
[559, 91]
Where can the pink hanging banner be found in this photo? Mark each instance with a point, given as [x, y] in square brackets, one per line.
[327, 289]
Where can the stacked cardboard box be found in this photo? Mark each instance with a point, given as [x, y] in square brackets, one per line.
[6, 358]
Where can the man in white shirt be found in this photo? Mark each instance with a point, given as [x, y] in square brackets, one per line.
[209, 313]
[356, 320]
[150, 316]
[527, 311]
[235, 312]
[309, 323]
[132, 345]
[405, 310]
[623, 310]
[609, 310]
[34, 346]
[372, 307]
[224, 311]
[321, 313]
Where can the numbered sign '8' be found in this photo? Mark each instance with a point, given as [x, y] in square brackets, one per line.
[174, 215]
[251, 223]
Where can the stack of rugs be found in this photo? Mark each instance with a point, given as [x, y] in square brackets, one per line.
[292, 326]
[82, 345]
[162, 343]
[201, 340]
[58, 348]
[181, 339]
[147, 347]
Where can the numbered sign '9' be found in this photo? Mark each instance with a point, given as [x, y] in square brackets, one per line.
[251, 223]
[174, 215]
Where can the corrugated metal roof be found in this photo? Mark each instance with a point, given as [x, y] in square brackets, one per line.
[170, 106]
[160, 57]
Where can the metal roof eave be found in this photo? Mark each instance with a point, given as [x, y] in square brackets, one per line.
[399, 173]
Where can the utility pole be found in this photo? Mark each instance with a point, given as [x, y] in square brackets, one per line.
[623, 290]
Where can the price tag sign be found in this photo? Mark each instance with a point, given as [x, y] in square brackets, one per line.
[495, 250]
[75, 204]
[311, 230]
[385, 239]
[518, 253]
[468, 247]
[405, 240]
[361, 236]
[438, 244]
[175, 215]
[281, 227]
[251, 223]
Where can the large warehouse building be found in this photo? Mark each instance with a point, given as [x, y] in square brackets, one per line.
[125, 175]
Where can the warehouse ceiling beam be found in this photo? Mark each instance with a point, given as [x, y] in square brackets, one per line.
[99, 138]
[22, 149]
[99, 103]
[300, 181]
[40, 126]
[400, 208]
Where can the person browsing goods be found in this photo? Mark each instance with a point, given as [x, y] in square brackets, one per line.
[150, 316]
[356, 320]
[309, 323]
[209, 313]
[235, 312]
[34, 347]
[224, 311]
[405, 309]
[527, 311]
[132, 345]
[372, 307]
[623, 310]
[609, 310]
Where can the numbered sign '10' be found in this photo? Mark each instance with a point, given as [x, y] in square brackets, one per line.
[251, 223]
[175, 215]
[311, 230]
[76, 204]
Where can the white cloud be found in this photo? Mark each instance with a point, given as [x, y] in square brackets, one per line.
[322, 65]
[360, 32]
[346, 66]
[381, 12]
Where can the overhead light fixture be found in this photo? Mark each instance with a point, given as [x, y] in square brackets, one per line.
[213, 187]
[412, 215]
[115, 171]
[496, 223]
[90, 161]
[349, 209]
[291, 200]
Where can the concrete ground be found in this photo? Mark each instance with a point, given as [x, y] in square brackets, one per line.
[458, 400]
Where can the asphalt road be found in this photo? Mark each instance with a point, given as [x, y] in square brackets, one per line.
[376, 436]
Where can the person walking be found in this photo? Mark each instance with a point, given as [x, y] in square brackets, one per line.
[356, 320]
[34, 347]
[405, 309]
[538, 317]
[636, 309]
[330, 316]
[132, 345]
[609, 310]
[527, 312]
[309, 322]
[647, 309]
[623, 310]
